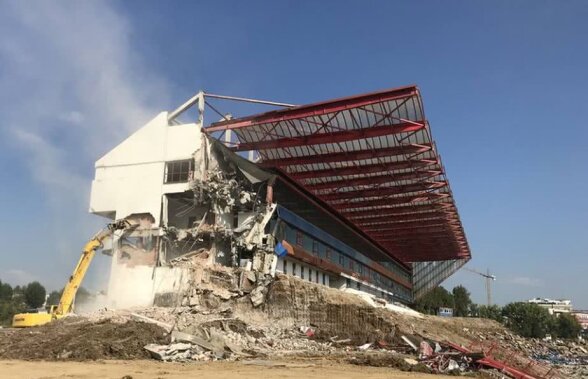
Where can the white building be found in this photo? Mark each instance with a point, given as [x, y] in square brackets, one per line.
[144, 176]
[553, 306]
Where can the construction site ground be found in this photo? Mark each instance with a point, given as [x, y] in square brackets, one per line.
[300, 329]
[143, 369]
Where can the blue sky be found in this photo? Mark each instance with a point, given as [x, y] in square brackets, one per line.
[503, 85]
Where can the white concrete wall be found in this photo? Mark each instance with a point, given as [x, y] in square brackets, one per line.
[136, 286]
[129, 178]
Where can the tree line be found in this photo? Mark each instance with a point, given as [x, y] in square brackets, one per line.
[525, 319]
[19, 299]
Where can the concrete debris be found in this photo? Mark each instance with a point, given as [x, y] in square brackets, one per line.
[365, 346]
[448, 361]
[180, 352]
[411, 361]
[191, 339]
[381, 303]
[221, 191]
[258, 296]
[410, 343]
[230, 339]
[568, 355]
[139, 317]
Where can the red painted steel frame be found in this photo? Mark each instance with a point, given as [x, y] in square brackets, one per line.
[372, 160]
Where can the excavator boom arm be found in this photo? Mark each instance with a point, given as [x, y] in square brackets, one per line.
[76, 278]
[22, 320]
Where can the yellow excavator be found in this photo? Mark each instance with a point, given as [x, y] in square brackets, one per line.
[65, 306]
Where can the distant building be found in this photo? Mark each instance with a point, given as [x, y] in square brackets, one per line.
[582, 317]
[553, 306]
[445, 312]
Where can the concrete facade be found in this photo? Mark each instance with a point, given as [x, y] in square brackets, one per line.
[553, 306]
[129, 178]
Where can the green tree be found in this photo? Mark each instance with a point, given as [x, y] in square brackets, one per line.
[567, 326]
[435, 299]
[7, 310]
[10, 303]
[528, 320]
[34, 295]
[5, 292]
[53, 298]
[492, 312]
[474, 310]
[462, 301]
[18, 295]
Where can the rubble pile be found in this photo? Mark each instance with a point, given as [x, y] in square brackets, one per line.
[77, 338]
[231, 343]
[569, 356]
[239, 314]
[222, 190]
[444, 360]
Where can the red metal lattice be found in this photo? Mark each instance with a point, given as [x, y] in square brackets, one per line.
[372, 159]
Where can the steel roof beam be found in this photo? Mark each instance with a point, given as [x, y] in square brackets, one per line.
[411, 231]
[396, 211]
[425, 242]
[348, 155]
[364, 169]
[402, 200]
[428, 251]
[385, 220]
[384, 236]
[432, 238]
[377, 179]
[317, 109]
[423, 248]
[340, 136]
[410, 225]
[432, 253]
[435, 257]
[383, 191]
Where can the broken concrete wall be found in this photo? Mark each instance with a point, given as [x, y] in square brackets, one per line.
[218, 214]
[130, 178]
[139, 285]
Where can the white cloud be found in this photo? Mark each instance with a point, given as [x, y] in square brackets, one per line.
[71, 87]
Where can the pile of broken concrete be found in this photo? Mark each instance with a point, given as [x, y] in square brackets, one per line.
[232, 339]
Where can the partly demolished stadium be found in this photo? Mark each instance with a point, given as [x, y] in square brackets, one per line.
[348, 193]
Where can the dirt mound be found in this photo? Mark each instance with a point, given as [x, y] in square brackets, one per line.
[81, 340]
[335, 313]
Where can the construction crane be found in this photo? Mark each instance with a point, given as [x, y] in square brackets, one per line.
[66, 302]
[489, 278]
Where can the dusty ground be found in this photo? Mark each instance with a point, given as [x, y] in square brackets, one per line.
[80, 340]
[111, 343]
[214, 370]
